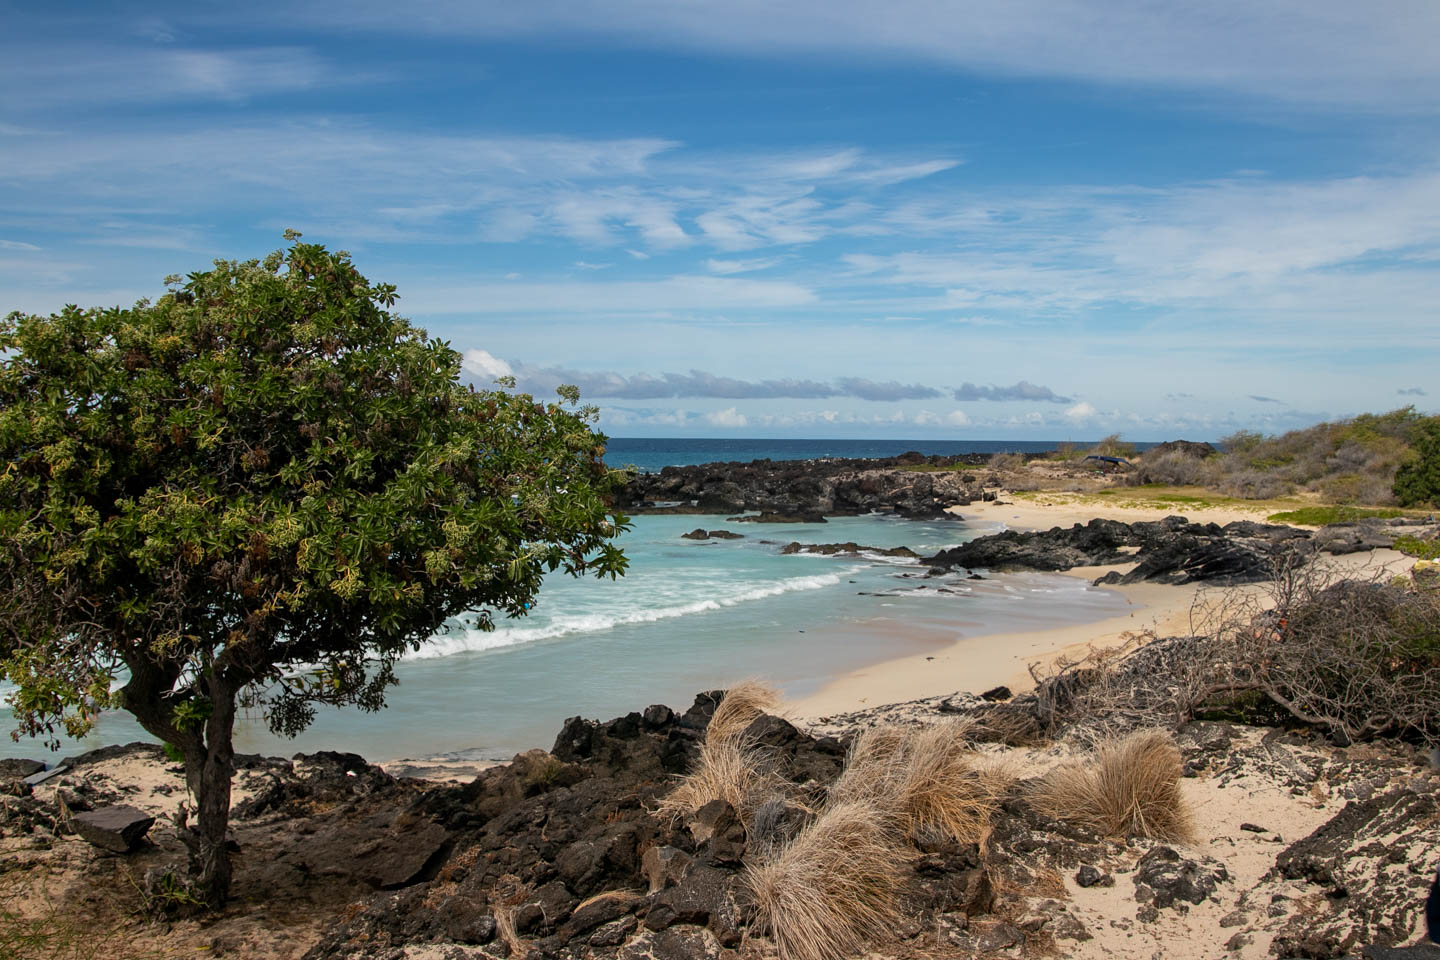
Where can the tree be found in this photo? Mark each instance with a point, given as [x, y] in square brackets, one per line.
[264, 488]
[1417, 480]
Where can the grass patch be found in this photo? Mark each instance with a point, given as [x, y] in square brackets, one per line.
[1320, 516]
[941, 468]
[1420, 549]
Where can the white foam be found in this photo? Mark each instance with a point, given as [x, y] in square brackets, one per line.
[471, 641]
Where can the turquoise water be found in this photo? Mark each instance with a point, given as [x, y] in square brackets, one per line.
[690, 616]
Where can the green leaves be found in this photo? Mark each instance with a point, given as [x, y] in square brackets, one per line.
[270, 466]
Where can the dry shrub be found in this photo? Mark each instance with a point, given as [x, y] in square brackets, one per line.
[730, 767]
[925, 778]
[1128, 787]
[742, 703]
[729, 770]
[1007, 462]
[1174, 467]
[834, 888]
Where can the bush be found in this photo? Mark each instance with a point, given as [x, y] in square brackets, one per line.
[730, 767]
[1128, 787]
[1174, 467]
[1113, 446]
[927, 779]
[1417, 481]
[1007, 462]
[832, 889]
[1254, 485]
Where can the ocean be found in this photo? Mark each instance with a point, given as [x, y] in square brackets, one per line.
[689, 616]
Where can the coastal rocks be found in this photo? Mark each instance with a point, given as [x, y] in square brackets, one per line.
[848, 549]
[1168, 551]
[1097, 542]
[699, 533]
[1163, 877]
[911, 486]
[807, 516]
[1373, 862]
[118, 829]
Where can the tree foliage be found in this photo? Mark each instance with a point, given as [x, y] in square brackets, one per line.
[1417, 480]
[264, 485]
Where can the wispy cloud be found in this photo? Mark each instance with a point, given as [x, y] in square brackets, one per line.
[1259, 399]
[42, 79]
[1327, 53]
[1411, 392]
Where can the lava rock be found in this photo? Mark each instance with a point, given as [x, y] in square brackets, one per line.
[117, 829]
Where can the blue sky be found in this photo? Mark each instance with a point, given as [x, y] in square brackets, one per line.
[1037, 219]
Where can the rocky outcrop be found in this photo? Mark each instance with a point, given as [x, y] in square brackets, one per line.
[1373, 862]
[911, 485]
[770, 516]
[848, 549]
[700, 533]
[1172, 550]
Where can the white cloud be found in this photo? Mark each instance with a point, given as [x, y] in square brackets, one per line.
[16, 245]
[636, 296]
[958, 418]
[1081, 411]
[729, 417]
[483, 364]
[1324, 52]
[91, 74]
[727, 267]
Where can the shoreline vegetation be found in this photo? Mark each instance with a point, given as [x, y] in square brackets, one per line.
[1228, 768]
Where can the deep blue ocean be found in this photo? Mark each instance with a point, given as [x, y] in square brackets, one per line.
[689, 616]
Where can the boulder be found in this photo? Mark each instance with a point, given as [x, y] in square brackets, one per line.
[117, 829]
[1163, 877]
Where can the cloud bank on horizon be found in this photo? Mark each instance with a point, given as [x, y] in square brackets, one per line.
[1046, 218]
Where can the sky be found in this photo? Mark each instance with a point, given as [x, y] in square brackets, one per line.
[1038, 219]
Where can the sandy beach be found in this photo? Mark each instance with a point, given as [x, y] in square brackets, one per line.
[976, 663]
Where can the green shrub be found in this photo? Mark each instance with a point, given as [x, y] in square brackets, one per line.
[1417, 480]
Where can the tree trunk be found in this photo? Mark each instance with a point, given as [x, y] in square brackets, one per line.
[208, 774]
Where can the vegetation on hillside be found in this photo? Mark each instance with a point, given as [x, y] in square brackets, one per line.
[1376, 459]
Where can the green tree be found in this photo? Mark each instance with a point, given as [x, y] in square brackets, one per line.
[1417, 480]
[264, 488]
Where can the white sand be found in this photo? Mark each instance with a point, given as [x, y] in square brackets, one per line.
[979, 663]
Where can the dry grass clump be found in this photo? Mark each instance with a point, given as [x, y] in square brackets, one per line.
[925, 778]
[743, 702]
[834, 888]
[729, 767]
[1128, 787]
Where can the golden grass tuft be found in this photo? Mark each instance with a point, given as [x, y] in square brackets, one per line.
[925, 778]
[834, 889]
[729, 767]
[743, 702]
[1128, 787]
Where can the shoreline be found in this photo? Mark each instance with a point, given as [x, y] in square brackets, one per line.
[977, 663]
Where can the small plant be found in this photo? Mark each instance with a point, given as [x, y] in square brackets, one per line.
[730, 767]
[1420, 549]
[1128, 787]
[834, 888]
